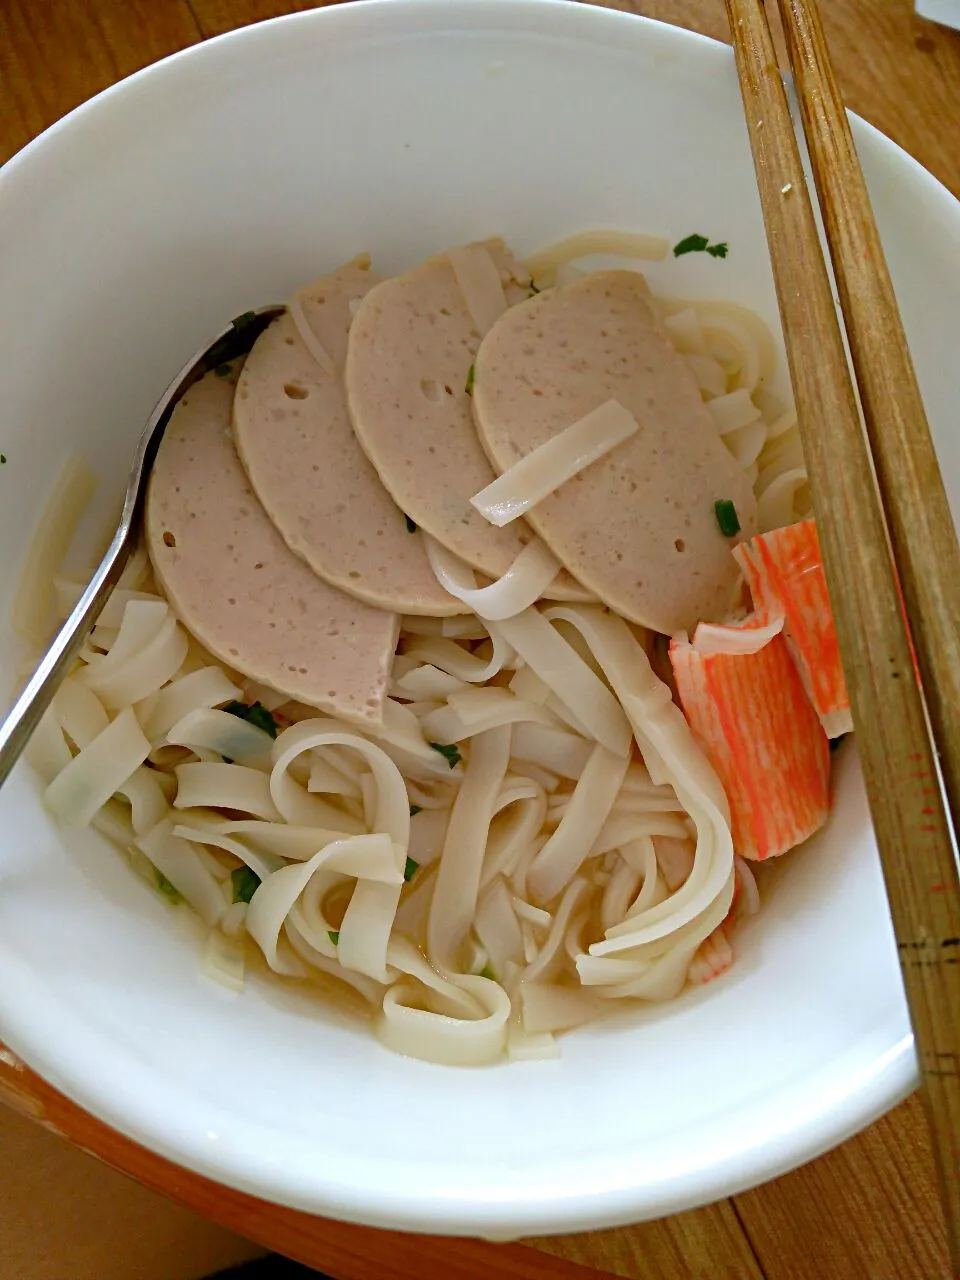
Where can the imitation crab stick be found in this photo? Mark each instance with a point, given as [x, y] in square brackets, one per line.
[712, 958]
[784, 572]
[752, 716]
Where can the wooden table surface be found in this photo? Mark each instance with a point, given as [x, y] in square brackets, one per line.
[867, 1211]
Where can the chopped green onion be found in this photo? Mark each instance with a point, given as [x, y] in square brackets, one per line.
[245, 884]
[700, 244]
[727, 517]
[692, 244]
[410, 870]
[256, 714]
[487, 972]
[411, 527]
[450, 753]
[333, 935]
[222, 371]
[415, 809]
[471, 379]
[169, 890]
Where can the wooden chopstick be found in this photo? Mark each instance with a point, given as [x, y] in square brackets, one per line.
[911, 812]
[922, 532]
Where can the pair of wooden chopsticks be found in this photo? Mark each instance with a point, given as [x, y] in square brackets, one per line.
[885, 528]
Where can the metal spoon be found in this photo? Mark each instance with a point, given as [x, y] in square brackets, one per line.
[20, 722]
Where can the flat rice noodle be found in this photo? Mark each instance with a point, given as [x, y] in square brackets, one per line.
[97, 772]
[553, 463]
[458, 879]
[591, 802]
[439, 1038]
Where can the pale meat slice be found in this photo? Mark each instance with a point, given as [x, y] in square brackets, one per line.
[294, 438]
[411, 346]
[233, 582]
[639, 526]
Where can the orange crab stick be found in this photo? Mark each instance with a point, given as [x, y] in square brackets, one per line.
[751, 715]
[784, 572]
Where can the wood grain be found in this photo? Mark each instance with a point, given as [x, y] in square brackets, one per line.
[911, 818]
[708, 1244]
[923, 884]
[214, 17]
[865, 1212]
[57, 53]
[898, 71]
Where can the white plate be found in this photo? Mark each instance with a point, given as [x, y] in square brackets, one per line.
[216, 181]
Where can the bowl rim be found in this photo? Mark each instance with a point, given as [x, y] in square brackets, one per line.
[81, 1079]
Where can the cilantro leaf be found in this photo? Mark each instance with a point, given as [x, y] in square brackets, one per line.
[700, 244]
[450, 753]
[245, 884]
[241, 322]
[169, 890]
[692, 244]
[333, 935]
[410, 870]
[256, 714]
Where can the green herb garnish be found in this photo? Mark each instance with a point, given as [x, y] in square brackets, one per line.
[727, 517]
[411, 527]
[415, 809]
[245, 884]
[334, 936]
[692, 244]
[169, 890]
[471, 379]
[242, 321]
[223, 370]
[410, 870]
[700, 244]
[487, 972]
[450, 753]
[256, 714]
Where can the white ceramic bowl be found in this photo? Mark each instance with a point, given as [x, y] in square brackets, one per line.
[218, 180]
[945, 11]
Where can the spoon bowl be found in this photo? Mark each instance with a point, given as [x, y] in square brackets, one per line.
[24, 716]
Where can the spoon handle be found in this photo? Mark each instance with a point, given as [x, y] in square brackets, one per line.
[27, 711]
